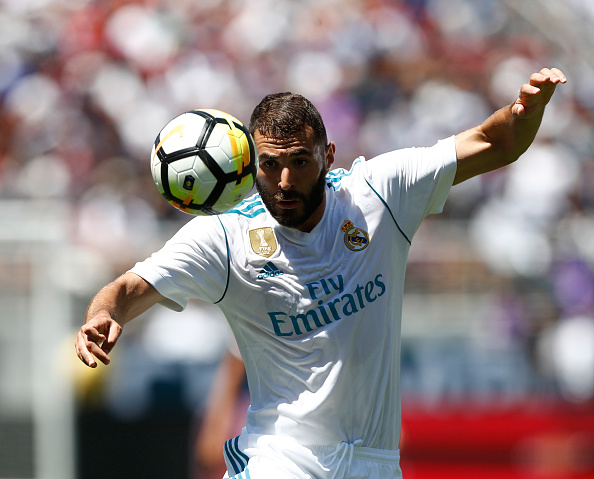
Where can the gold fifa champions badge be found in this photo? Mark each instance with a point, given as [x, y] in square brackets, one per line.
[355, 238]
[263, 241]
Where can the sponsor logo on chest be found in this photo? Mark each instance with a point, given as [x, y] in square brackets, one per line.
[329, 301]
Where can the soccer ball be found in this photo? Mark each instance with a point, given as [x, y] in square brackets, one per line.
[204, 162]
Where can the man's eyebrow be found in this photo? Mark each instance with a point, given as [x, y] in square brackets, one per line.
[300, 152]
[265, 156]
[297, 152]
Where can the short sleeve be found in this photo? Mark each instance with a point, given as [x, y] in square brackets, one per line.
[192, 264]
[414, 182]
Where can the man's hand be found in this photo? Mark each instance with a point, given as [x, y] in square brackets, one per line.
[123, 299]
[96, 339]
[534, 96]
[503, 137]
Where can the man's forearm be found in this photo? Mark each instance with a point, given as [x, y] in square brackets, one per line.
[498, 141]
[509, 135]
[124, 299]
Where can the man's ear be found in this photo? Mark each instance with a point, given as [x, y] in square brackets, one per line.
[330, 150]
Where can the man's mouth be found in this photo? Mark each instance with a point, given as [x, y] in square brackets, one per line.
[287, 202]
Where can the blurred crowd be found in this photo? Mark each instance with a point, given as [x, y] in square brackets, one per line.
[85, 86]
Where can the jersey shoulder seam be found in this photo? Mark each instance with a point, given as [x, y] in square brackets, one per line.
[228, 262]
[389, 211]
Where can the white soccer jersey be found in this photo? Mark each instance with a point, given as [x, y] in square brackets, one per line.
[316, 315]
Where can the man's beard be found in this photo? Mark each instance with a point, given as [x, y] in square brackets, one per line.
[291, 217]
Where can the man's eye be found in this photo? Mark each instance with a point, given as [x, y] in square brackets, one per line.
[300, 162]
[269, 164]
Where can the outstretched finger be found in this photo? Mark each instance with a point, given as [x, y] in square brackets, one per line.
[527, 98]
[97, 351]
[83, 352]
[528, 90]
[87, 358]
[541, 77]
[92, 333]
[555, 75]
[114, 333]
[528, 94]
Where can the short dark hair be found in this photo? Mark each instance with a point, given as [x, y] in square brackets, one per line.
[280, 115]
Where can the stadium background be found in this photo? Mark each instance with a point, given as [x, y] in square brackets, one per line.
[498, 341]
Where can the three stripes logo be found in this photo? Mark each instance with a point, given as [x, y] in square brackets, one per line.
[270, 271]
[236, 459]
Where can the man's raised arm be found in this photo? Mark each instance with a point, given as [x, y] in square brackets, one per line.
[508, 133]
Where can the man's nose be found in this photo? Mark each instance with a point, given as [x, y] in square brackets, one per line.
[286, 179]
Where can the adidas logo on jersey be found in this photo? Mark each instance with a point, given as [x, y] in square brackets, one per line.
[270, 271]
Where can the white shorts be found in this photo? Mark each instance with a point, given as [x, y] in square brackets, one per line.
[273, 457]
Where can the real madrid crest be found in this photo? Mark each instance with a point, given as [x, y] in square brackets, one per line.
[355, 238]
[263, 241]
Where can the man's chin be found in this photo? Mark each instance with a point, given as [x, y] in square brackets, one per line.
[289, 218]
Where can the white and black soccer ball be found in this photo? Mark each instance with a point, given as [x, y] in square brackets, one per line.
[204, 162]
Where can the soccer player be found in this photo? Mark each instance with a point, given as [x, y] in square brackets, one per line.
[310, 274]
